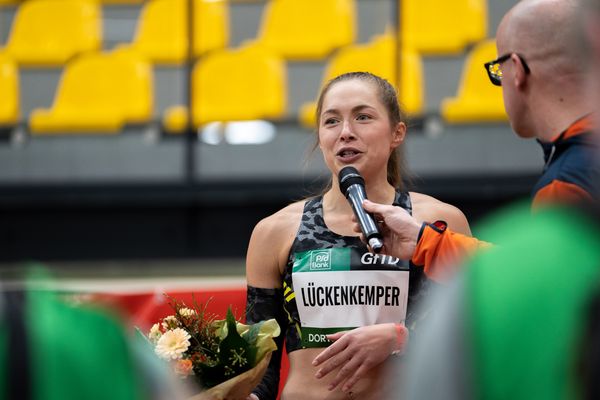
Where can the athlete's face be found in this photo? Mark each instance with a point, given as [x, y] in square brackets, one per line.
[355, 129]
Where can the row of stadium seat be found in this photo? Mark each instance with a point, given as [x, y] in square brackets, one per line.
[16, 2]
[50, 32]
[103, 91]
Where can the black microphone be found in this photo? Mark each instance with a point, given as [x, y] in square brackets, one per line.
[352, 185]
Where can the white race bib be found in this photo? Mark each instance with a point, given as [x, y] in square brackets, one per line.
[338, 289]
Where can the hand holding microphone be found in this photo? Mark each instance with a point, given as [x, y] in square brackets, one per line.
[352, 185]
[399, 230]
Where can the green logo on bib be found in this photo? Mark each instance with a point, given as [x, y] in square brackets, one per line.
[320, 260]
[323, 260]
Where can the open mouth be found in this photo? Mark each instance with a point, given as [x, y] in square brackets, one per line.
[347, 153]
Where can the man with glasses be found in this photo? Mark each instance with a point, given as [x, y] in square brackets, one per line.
[542, 72]
[517, 322]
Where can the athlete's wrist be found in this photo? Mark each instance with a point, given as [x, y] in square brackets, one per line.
[400, 337]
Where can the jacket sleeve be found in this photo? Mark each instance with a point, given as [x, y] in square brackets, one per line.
[560, 192]
[440, 251]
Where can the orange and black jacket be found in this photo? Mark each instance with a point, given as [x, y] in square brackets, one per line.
[439, 250]
[571, 173]
[570, 176]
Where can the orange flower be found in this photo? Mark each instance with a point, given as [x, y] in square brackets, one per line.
[198, 358]
[184, 367]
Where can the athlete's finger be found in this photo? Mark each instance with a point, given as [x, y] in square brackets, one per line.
[332, 350]
[344, 373]
[358, 375]
[333, 363]
[335, 336]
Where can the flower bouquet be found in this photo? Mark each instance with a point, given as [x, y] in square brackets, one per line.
[226, 358]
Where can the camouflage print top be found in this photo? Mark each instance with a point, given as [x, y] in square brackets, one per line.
[313, 234]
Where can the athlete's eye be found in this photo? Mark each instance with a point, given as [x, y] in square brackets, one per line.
[363, 117]
[330, 121]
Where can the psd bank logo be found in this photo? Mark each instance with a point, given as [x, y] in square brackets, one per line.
[320, 260]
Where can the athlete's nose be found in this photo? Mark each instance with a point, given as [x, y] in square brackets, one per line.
[347, 132]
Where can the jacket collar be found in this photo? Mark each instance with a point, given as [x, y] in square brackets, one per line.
[583, 125]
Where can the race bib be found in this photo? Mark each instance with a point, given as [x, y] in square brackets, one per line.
[340, 289]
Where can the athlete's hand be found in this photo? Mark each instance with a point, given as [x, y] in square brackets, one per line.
[252, 396]
[398, 228]
[356, 352]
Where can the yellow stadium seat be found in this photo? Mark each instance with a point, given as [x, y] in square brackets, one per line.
[477, 99]
[175, 119]
[379, 58]
[211, 30]
[122, 1]
[162, 31]
[307, 29]
[9, 87]
[234, 85]
[98, 93]
[50, 32]
[441, 26]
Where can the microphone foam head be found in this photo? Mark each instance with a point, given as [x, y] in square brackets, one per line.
[349, 176]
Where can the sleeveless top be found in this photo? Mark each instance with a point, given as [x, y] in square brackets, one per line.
[382, 288]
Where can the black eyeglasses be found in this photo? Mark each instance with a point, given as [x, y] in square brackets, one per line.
[495, 72]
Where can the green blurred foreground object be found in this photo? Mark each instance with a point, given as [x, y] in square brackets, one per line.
[512, 325]
[528, 304]
[73, 352]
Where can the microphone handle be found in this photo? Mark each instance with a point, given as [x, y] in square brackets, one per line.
[356, 195]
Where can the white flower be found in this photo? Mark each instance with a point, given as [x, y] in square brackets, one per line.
[155, 333]
[170, 322]
[187, 312]
[172, 344]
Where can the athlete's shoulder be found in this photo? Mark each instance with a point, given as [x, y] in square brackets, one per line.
[280, 224]
[429, 209]
[269, 246]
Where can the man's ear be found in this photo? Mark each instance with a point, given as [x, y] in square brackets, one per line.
[520, 76]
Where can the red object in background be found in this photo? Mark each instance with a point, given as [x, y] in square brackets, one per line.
[146, 308]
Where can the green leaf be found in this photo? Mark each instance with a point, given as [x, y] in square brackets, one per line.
[234, 351]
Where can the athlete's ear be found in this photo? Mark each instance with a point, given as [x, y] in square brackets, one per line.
[399, 134]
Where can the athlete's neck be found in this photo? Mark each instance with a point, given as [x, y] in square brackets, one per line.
[334, 200]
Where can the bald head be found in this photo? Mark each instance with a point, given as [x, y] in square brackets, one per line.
[546, 98]
[546, 31]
